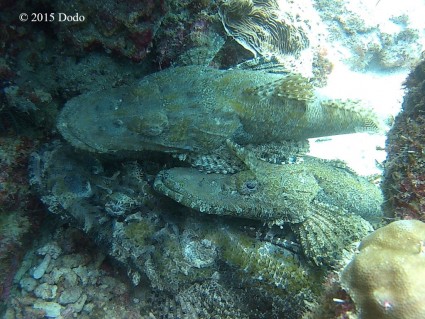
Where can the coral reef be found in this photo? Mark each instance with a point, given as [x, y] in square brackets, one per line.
[262, 29]
[175, 31]
[126, 28]
[19, 209]
[373, 43]
[28, 104]
[404, 175]
[322, 67]
[333, 302]
[323, 203]
[386, 278]
[289, 34]
[93, 72]
[190, 33]
[112, 246]
[20, 132]
[14, 190]
[14, 225]
[39, 75]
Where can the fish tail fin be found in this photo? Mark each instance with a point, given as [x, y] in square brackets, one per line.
[355, 113]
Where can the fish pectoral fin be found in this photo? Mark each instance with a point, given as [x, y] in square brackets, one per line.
[328, 231]
[292, 86]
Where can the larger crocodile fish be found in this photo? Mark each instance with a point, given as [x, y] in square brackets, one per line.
[194, 109]
[327, 206]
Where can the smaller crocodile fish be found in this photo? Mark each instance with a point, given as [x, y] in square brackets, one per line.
[323, 203]
[195, 109]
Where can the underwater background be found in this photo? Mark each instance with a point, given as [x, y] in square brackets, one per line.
[212, 159]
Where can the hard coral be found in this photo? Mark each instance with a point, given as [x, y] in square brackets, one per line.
[387, 278]
[261, 28]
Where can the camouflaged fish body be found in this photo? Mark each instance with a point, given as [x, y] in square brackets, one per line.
[323, 203]
[194, 109]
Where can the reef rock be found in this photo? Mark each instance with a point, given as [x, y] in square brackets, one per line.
[404, 176]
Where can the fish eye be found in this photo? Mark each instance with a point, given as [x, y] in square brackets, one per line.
[248, 187]
[251, 185]
[246, 183]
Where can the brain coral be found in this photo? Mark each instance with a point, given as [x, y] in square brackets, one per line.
[387, 278]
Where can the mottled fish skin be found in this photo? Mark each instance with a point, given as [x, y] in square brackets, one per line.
[194, 109]
[323, 203]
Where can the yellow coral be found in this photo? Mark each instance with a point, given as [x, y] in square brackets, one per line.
[387, 278]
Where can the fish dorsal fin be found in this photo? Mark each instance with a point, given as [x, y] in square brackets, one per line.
[296, 87]
[293, 86]
[268, 64]
[245, 156]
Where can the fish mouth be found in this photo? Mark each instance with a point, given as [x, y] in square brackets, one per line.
[211, 194]
[71, 134]
[207, 193]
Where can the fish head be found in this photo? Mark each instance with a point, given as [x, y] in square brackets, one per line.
[267, 192]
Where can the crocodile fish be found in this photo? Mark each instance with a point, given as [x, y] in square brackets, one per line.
[195, 109]
[325, 205]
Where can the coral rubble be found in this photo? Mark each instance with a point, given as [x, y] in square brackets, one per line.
[65, 277]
